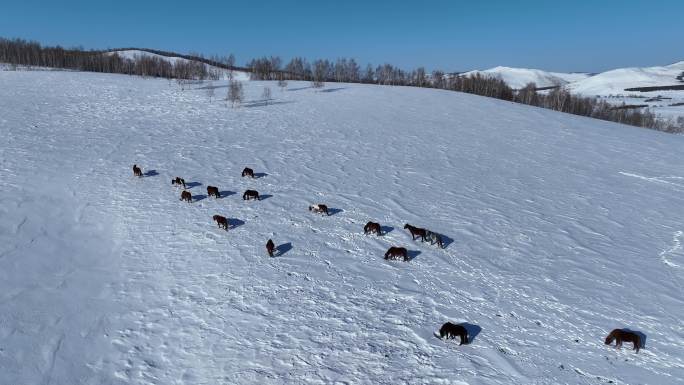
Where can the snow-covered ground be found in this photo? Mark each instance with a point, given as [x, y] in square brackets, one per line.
[560, 228]
[615, 81]
[520, 77]
[611, 85]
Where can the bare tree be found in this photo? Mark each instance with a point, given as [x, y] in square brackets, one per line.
[320, 72]
[282, 83]
[230, 62]
[210, 91]
[266, 95]
[235, 92]
[438, 79]
[368, 75]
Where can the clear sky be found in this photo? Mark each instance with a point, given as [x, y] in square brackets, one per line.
[451, 35]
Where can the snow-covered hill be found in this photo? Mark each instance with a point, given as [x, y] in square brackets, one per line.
[134, 54]
[519, 77]
[560, 228]
[611, 85]
[615, 82]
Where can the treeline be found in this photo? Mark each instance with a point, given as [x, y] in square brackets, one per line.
[656, 88]
[20, 52]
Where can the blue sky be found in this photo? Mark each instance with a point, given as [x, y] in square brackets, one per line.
[450, 35]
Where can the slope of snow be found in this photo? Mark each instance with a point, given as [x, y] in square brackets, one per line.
[560, 228]
[519, 77]
[614, 82]
[133, 54]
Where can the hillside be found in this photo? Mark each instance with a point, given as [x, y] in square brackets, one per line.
[559, 228]
[518, 78]
[615, 82]
[135, 54]
[615, 86]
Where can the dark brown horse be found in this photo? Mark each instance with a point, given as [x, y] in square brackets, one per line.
[270, 247]
[137, 171]
[416, 232]
[250, 194]
[186, 196]
[620, 335]
[451, 331]
[435, 238]
[221, 221]
[372, 227]
[179, 181]
[394, 252]
[319, 208]
[248, 172]
[213, 191]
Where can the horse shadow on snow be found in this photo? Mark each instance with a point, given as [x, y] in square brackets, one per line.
[282, 249]
[386, 229]
[235, 223]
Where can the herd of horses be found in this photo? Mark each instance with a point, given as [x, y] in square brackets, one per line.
[448, 330]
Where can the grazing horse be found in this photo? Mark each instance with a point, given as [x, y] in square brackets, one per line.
[394, 252]
[213, 191]
[186, 196]
[624, 335]
[416, 232]
[137, 171]
[250, 194]
[270, 247]
[319, 208]
[435, 238]
[221, 221]
[372, 227]
[179, 181]
[451, 331]
[248, 172]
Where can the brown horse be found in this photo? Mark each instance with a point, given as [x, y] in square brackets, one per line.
[394, 252]
[186, 196]
[221, 221]
[416, 232]
[319, 208]
[270, 247]
[137, 171]
[451, 331]
[250, 194]
[372, 227]
[620, 335]
[248, 172]
[435, 238]
[179, 181]
[213, 191]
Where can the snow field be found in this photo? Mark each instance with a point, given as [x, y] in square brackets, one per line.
[561, 228]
